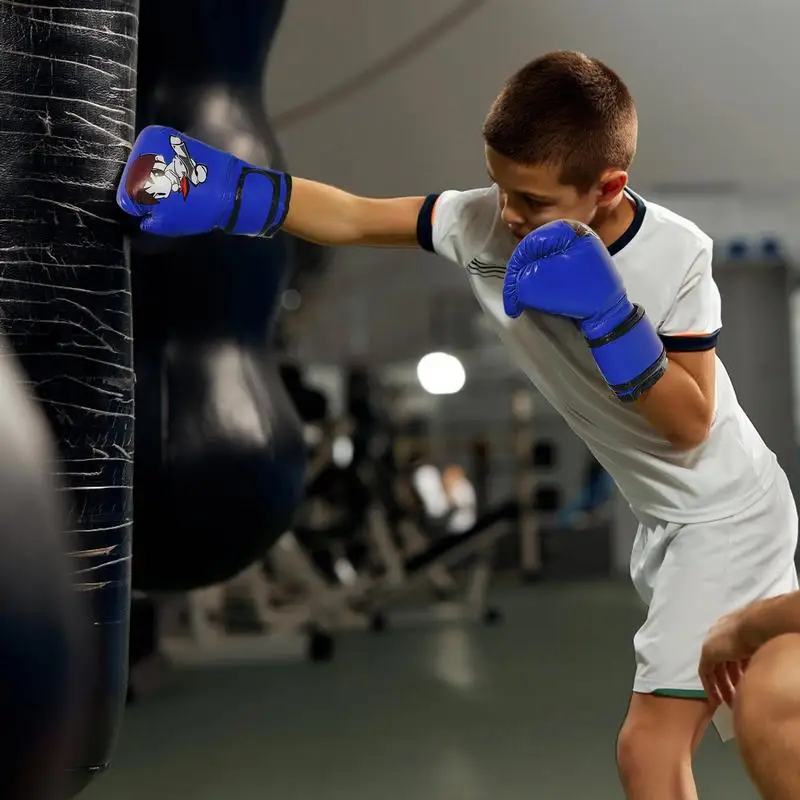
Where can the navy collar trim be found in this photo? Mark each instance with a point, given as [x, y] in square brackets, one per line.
[640, 209]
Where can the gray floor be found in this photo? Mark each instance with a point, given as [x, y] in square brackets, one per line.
[524, 711]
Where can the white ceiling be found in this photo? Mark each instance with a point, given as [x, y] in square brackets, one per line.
[714, 81]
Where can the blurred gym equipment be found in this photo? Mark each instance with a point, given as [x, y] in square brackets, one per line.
[67, 128]
[361, 553]
[349, 570]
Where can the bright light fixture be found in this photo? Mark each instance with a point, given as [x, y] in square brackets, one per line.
[441, 373]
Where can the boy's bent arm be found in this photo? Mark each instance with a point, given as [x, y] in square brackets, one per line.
[222, 192]
[680, 406]
[326, 215]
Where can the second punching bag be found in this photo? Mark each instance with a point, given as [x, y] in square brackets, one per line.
[220, 459]
[42, 634]
[67, 71]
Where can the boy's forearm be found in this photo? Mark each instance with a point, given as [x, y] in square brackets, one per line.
[766, 619]
[322, 214]
[330, 216]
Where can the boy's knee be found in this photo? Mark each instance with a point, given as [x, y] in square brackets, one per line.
[658, 737]
[632, 745]
[643, 741]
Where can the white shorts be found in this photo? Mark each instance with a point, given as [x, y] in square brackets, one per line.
[692, 574]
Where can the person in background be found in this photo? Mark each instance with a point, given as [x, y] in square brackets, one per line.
[427, 482]
[462, 498]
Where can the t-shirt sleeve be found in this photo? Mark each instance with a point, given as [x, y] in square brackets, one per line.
[694, 320]
[455, 224]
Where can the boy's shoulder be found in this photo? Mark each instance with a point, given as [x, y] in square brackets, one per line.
[667, 268]
[666, 227]
[468, 228]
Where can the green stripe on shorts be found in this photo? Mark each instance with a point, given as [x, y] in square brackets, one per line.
[692, 694]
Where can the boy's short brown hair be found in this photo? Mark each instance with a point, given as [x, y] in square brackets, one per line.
[568, 109]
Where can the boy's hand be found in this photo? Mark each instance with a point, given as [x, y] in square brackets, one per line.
[724, 658]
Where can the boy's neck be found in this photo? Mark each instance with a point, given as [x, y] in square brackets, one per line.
[614, 220]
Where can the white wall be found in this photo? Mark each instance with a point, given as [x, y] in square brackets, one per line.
[714, 81]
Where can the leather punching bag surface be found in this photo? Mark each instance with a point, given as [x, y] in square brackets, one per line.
[220, 459]
[67, 102]
[42, 639]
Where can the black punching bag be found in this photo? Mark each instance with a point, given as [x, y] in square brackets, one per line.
[41, 639]
[220, 459]
[67, 102]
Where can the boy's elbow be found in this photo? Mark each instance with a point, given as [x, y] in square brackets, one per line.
[690, 435]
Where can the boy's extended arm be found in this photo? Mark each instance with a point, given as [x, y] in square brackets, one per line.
[213, 190]
[327, 215]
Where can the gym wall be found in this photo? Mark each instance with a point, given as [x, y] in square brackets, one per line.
[429, 102]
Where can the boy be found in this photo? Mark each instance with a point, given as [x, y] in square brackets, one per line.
[718, 524]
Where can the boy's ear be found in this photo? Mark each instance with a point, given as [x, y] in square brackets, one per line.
[611, 185]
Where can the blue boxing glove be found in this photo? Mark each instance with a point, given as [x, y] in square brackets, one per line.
[178, 186]
[564, 269]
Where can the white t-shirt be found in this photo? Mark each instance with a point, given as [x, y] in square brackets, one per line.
[665, 262]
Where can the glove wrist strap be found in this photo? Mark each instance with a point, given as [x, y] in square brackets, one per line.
[260, 201]
[631, 357]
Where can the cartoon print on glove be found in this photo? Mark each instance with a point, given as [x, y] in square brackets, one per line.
[151, 179]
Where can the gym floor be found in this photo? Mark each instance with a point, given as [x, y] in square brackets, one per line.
[525, 710]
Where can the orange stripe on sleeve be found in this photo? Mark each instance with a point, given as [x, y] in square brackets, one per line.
[433, 210]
